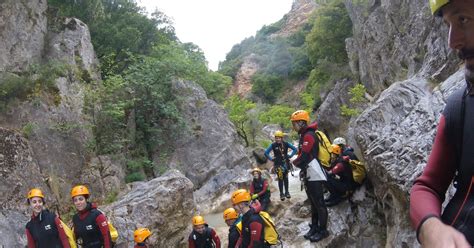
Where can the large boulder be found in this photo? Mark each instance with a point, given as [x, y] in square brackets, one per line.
[164, 205]
[23, 27]
[209, 154]
[395, 39]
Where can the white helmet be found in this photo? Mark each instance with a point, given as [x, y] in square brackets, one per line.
[339, 141]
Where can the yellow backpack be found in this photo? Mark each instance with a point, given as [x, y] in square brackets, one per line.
[358, 171]
[271, 235]
[324, 154]
[69, 234]
[113, 232]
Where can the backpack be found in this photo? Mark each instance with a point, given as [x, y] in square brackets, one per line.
[358, 171]
[324, 153]
[70, 234]
[271, 235]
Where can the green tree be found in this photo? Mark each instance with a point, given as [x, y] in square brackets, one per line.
[267, 86]
[277, 114]
[238, 110]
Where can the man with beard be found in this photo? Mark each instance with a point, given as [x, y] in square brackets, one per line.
[451, 156]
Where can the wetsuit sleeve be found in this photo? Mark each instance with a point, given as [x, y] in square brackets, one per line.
[305, 156]
[256, 232]
[337, 169]
[293, 149]
[267, 152]
[101, 222]
[31, 241]
[429, 189]
[233, 238]
[264, 188]
[191, 242]
[62, 234]
[215, 238]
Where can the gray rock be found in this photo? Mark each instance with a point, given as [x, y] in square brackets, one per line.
[210, 155]
[164, 205]
[23, 26]
[12, 228]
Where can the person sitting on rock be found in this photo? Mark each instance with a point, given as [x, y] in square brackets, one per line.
[259, 189]
[281, 161]
[202, 235]
[44, 229]
[345, 148]
[141, 236]
[232, 219]
[252, 224]
[90, 225]
[340, 181]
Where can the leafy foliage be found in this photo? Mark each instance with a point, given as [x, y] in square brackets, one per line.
[357, 94]
[238, 110]
[277, 114]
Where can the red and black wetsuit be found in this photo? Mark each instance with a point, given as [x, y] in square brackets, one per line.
[260, 187]
[141, 245]
[46, 231]
[428, 192]
[234, 234]
[252, 230]
[91, 228]
[340, 186]
[307, 150]
[208, 239]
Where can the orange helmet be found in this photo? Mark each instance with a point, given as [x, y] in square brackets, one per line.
[141, 234]
[230, 214]
[35, 192]
[300, 115]
[80, 190]
[240, 195]
[336, 149]
[198, 220]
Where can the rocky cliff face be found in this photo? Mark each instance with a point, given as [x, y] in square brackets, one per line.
[210, 153]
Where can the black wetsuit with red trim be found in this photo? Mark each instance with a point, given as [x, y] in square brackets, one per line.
[91, 228]
[260, 186]
[252, 230]
[45, 230]
[448, 157]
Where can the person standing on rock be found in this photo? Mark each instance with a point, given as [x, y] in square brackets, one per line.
[90, 225]
[259, 189]
[45, 228]
[312, 174]
[202, 235]
[451, 155]
[252, 235]
[141, 236]
[231, 218]
[281, 161]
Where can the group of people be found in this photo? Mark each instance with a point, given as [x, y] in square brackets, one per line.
[90, 226]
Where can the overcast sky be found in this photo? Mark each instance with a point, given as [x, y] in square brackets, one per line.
[216, 25]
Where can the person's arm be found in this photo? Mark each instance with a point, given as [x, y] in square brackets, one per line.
[293, 149]
[191, 241]
[233, 238]
[264, 188]
[428, 191]
[267, 152]
[31, 241]
[62, 234]
[215, 238]
[101, 222]
[305, 156]
[337, 169]
[256, 232]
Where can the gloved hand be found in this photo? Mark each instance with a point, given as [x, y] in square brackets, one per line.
[345, 158]
[254, 196]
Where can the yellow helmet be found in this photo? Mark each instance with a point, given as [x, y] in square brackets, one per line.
[300, 115]
[79, 190]
[230, 214]
[198, 220]
[256, 169]
[141, 234]
[336, 149]
[240, 195]
[436, 5]
[279, 134]
[35, 192]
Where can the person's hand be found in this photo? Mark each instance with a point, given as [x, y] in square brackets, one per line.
[254, 196]
[434, 233]
[346, 158]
